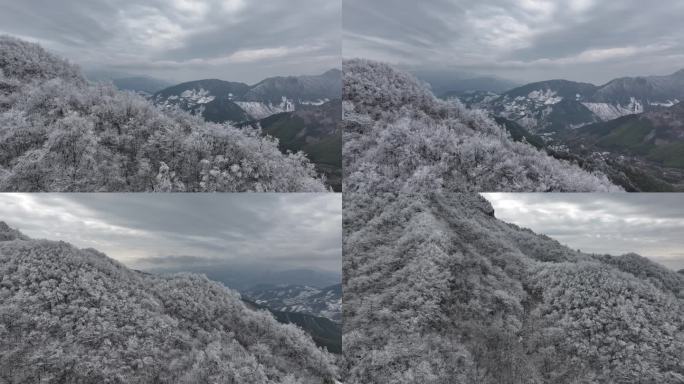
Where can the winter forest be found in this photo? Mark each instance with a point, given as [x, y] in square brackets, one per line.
[60, 133]
[336, 192]
[400, 137]
[437, 290]
[70, 315]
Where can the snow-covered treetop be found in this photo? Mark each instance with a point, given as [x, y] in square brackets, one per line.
[60, 133]
[76, 316]
[400, 138]
[27, 62]
[437, 290]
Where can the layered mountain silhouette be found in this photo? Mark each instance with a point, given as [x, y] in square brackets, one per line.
[75, 315]
[558, 105]
[222, 101]
[437, 289]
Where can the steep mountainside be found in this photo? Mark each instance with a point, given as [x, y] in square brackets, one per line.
[559, 105]
[212, 99]
[322, 302]
[399, 137]
[76, 316]
[323, 331]
[222, 101]
[437, 290]
[60, 133]
[315, 130]
[656, 135]
[300, 89]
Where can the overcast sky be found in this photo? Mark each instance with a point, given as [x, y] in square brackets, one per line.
[281, 231]
[650, 224]
[525, 40]
[180, 40]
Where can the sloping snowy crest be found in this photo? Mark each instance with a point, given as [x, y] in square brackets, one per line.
[399, 137]
[60, 133]
[437, 290]
[76, 316]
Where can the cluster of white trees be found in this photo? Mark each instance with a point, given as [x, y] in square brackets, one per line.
[437, 291]
[399, 137]
[60, 133]
[71, 315]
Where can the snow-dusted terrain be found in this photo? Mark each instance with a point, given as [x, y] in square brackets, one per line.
[325, 302]
[70, 315]
[607, 111]
[438, 290]
[258, 110]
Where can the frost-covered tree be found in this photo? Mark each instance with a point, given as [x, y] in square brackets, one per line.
[437, 290]
[71, 315]
[399, 137]
[60, 133]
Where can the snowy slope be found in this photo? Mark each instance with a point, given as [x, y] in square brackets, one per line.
[326, 302]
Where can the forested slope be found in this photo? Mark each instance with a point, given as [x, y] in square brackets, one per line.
[437, 290]
[60, 133]
[399, 137]
[71, 315]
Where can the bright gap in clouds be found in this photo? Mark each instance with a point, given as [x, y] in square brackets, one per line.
[183, 231]
[183, 40]
[604, 223]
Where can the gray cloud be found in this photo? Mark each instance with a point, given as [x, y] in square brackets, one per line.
[527, 40]
[180, 40]
[648, 224]
[185, 231]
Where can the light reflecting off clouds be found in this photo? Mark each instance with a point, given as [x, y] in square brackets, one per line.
[650, 224]
[281, 231]
[524, 40]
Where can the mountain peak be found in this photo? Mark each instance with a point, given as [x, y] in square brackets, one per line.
[8, 233]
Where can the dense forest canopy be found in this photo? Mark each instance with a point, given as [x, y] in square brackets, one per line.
[60, 133]
[437, 291]
[71, 315]
[399, 137]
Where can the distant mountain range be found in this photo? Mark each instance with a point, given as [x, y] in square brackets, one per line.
[146, 85]
[555, 105]
[246, 277]
[631, 128]
[221, 101]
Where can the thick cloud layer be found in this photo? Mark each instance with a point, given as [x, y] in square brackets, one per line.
[526, 40]
[189, 231]
[180, 40]
[648, 224]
